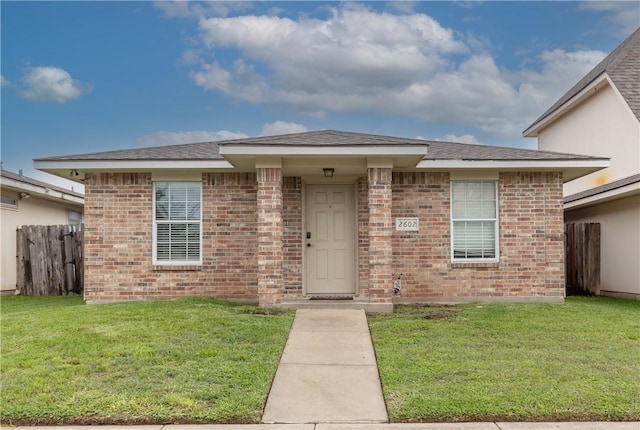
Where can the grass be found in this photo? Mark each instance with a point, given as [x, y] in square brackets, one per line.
[186, 361]
[513, 362]
[201, 360]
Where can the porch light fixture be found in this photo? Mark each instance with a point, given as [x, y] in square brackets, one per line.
[328, 172]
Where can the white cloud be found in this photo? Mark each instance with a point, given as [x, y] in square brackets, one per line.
[4, 82]
[191, 57]
[465, 138]
[357, 59]
[323, 64]
[282, 127]
[187, 9]
[213, 77]
[624, 15]
[402, 6]
[559, 72]
[51, 84]
[162, 138]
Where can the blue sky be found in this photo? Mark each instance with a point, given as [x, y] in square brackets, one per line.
[95, 76]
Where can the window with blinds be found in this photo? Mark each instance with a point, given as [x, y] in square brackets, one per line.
[474, 216]
[177, 222]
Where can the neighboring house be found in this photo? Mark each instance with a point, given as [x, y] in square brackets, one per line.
[324, 214]
[26, 201]
[600, 116]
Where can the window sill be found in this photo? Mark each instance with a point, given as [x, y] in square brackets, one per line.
[177, 267]
[474, 264]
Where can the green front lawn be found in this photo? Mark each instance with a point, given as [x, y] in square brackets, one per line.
[513, 362]
[200, 360]
[190, 360]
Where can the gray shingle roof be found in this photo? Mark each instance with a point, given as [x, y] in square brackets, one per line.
[623, 67]
[437, 150]
[187, 151]
[461, 151]
[25, 179]
[326, 138]
[603, 188]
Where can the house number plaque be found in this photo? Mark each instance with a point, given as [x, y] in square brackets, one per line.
[407, 224]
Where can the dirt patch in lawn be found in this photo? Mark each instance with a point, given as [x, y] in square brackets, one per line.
[427, 311]
[263, 311]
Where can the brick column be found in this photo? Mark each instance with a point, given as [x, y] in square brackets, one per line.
[270, 281]
[554, 243]
[380, 235]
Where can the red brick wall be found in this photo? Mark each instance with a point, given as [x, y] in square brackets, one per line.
[119, 241]
[292, 235]
[363, 235]
[531, 239]
[269, 233]
[119, 227]
[380, 234]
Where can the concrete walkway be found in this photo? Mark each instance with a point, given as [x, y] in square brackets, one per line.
[328, 372]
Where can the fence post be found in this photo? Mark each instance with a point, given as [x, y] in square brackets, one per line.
[593, 259]
[20, 261]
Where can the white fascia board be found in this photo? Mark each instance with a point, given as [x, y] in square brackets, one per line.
[589, 90]
[618, 193]
[287, 150]
[42, 191]
[512, 164]
[130, 165]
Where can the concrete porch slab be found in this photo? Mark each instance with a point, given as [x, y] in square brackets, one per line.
[382, 308]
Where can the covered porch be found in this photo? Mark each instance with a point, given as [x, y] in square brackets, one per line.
[323, 218]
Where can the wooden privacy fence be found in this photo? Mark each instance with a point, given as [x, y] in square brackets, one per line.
[50, 260]
[582, 243]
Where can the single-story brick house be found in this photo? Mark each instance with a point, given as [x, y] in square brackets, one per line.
[281, 220]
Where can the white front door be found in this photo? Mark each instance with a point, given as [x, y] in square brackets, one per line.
[330, 259]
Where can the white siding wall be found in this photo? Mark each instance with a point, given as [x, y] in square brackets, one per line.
[603, 125]
[31, 211]
[620, 249]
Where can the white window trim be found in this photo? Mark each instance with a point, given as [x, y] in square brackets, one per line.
[496, 229]
[11, 206]
[157, 262]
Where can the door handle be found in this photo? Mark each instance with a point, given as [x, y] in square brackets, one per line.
[308, 245]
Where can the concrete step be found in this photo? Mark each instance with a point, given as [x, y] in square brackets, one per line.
[355, 304]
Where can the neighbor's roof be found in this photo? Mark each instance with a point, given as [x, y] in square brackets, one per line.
[40, 184]
[437, 150]
[622, 66]
[629, 180]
